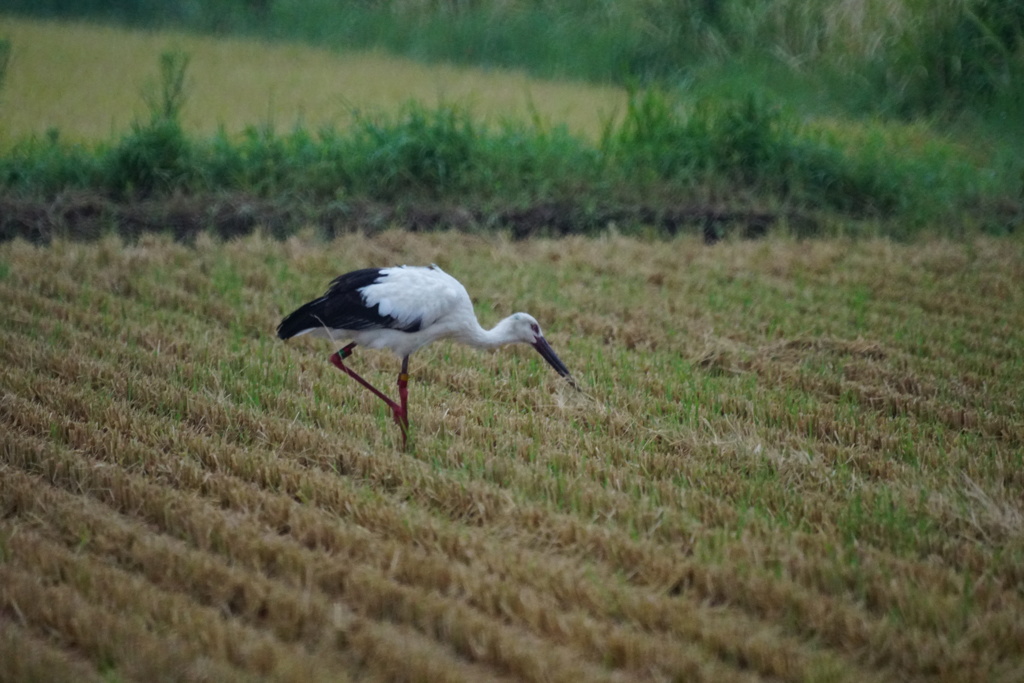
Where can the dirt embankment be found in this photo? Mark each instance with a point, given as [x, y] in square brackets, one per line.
[86, 216]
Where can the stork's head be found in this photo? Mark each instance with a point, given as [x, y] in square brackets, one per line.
[526, 329]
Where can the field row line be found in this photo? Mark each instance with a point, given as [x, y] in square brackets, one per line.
[29, 655]
[989, 416]
[966, 418]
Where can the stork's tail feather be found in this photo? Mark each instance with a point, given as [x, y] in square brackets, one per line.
[303, 319]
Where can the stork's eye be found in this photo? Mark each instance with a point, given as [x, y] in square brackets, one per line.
[535, 328]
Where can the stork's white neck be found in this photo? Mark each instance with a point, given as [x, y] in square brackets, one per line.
[501, 334]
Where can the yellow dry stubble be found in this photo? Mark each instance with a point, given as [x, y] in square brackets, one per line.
[794, 460]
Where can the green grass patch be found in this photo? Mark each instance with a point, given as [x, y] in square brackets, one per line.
[663, 149]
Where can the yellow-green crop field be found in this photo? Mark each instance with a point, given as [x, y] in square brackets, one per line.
[793, 461]
[88, 81]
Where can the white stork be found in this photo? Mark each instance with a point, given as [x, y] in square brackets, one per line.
[404, 308]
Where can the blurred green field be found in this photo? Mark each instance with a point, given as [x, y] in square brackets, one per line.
[86, 81]
[793, 461]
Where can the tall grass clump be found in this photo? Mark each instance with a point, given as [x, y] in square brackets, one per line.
[748, 143]
[422, 151]
[156, 154]
[45, 166]
[154, 157]
[417, 153]
[444, 152]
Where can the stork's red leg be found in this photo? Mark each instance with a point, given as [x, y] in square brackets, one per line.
[345, 353]
[403, 395]
[397, 411]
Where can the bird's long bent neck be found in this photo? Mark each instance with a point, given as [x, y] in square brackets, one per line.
[475, 335]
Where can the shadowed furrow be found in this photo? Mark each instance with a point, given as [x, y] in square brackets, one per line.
[30, 657]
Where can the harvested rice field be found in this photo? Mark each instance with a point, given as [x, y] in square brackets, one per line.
[792, 461]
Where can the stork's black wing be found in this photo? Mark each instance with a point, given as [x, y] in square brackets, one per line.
[342, 307]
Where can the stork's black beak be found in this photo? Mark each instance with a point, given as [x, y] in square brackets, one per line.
[545, 350]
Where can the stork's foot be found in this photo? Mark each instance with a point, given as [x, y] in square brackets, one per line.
[402, 420]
